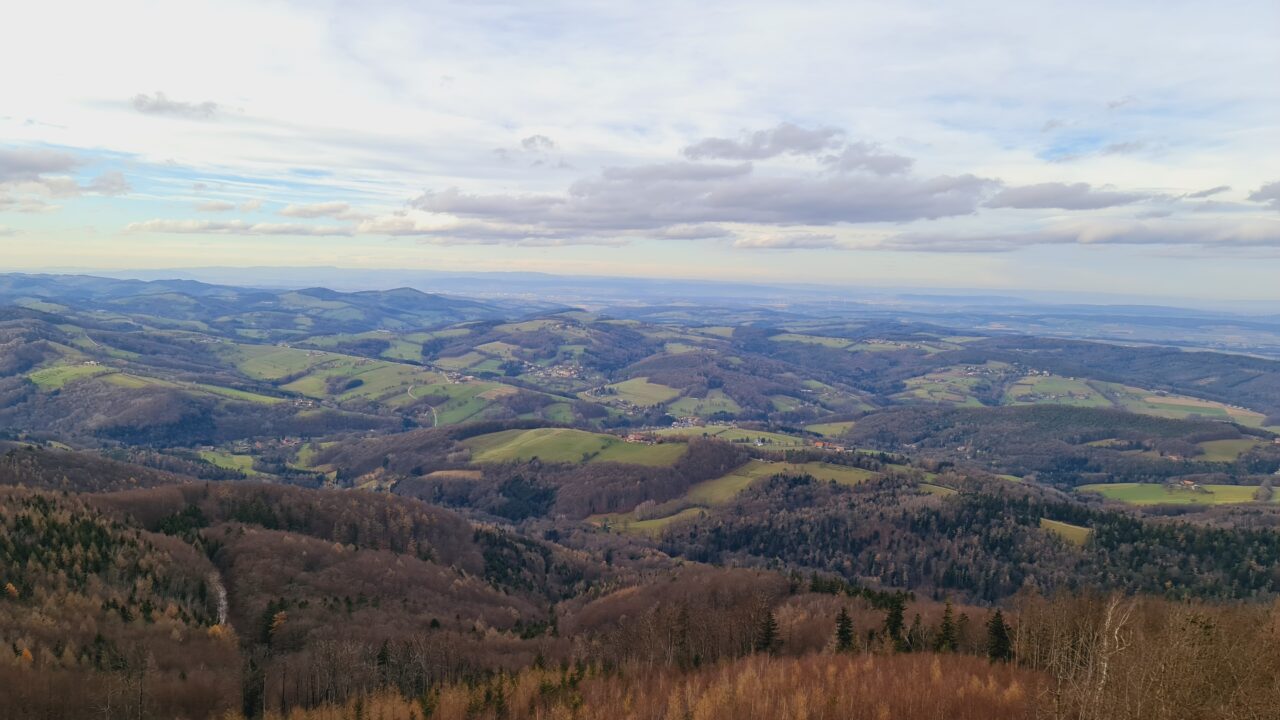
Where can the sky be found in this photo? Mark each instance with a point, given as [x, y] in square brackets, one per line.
[1081, 146]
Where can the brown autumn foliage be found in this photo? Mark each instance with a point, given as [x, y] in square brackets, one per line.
[814, 687]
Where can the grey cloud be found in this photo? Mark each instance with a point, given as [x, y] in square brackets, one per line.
[234, 227]
[216, 206]
[160, 104]
[789, 242]
[1203, 234]
[316, 210]
[1269, 193]
[10, 203]
[1117, 104]
[1123, 148]
[7, 232]
[785, 139]
[650, 199]
[677, 171]
[468, 233]
[538, 143]
[1062, 196]
[109, 183]
[865, 156]
[694, 232]
[1208, 192]
[19, 165]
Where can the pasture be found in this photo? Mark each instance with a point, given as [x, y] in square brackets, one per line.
[639, 391]
[569, 446]
[1226, 450]
[1074, 534]
[1158, 494]
[1056, 390]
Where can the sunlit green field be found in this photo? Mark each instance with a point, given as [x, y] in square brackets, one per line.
[567, 445]
[644, 393]
[1156, 494]
[1226, 450]
[1074, 534]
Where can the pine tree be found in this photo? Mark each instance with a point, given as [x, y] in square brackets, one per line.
[767, 634]
[844, 631]
[999, 646]
[947, 637]
[894, 621]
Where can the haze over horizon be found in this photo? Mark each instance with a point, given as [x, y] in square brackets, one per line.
[1091, 148]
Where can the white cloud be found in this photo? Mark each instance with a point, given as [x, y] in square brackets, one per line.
[160, 104]
[316, 210]
[234, 227]
[1063, 196]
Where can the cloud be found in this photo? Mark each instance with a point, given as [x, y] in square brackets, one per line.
[865, 156]
[234, 227]
[783, 139]
[1123, 148]
[22, 165]
[1208, 192]
[215, 206]
[476, 233]
[250, 205]
[693, 232]
[1207, 234]
[789, 242]
[676, 171]
[1269, 193]
[538, 143]
[7, 231]
[1061, 196]
[1121, 102]
[13, 203]
[160, 104]
[654, 197]
[316, 210]
[109, 183]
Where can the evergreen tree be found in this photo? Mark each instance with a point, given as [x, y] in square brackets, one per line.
[999, 645]
[767, 634]
[947, 640]
[844, 631]
[894, 621]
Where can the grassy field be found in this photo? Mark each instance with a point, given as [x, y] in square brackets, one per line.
[454, 475]
[731, 434]
[268, 362]
[723, 489]
[640, 391]
[831, 429]
[652, 527]
[1156, 494]
[715, 401]
[235, 394]
[718, 491]
[1056, 390]
[566, 445]
[939, 490]
[949, 386]
[1074, 534]
[1226, 450]
[1177, 407]
[54, 378]
[243, 463]
[830, 342]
